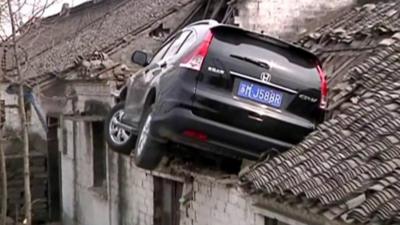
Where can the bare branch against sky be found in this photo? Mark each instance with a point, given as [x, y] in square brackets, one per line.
[15, 20]
[27, 8]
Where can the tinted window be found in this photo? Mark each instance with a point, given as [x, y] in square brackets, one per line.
[177, 43]
[242, 44]
[230, 44]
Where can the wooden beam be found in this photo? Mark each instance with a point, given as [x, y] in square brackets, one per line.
[84, 118]
[19, 156]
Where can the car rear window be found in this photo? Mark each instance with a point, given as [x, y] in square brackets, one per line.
[243, 44]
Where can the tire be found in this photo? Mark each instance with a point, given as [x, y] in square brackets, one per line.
[118, 139]
[147, 151]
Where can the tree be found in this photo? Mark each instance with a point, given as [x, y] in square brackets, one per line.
[3, 174]
[18, 19]
[22, 115]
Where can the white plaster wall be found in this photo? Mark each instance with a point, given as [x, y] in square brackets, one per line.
[67, 176]
[284, 17]
[90, 204]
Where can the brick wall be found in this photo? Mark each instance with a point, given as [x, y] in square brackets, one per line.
[136, 202]
[284, 18]
[215, 203]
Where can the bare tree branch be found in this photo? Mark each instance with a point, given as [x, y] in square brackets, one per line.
[24, 124]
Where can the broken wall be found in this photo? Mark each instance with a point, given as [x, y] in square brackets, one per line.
[216, 203]
[132, 195]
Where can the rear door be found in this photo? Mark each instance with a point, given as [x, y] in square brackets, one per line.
[259, 85]
[142, 82]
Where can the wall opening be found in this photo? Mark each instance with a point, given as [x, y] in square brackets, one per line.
[99, 154]
[166, 201]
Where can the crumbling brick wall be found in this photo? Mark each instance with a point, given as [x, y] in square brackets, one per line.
[136, 202]
[217, 203]
[284, 18]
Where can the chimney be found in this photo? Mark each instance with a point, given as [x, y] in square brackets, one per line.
[64, 9]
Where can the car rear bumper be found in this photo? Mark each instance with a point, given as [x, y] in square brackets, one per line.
[222, 139]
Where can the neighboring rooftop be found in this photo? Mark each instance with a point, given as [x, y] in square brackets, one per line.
[54, 42]
[347, 40]
[348, 170]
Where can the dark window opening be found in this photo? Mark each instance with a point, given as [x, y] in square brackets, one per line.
[166, 201]
[2, 113]
[159, 32]
[99, 154]
[54, 171]
[269, 221]
[28, 112]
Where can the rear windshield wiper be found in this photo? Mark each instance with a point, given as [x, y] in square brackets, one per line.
[254, 61]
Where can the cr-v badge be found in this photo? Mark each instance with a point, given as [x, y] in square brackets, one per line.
[215, 70]
[308, 98]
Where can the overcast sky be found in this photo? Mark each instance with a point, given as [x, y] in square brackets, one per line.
[57, 6]
[26, 12]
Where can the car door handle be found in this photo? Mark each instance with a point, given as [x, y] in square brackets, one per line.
[163, 65]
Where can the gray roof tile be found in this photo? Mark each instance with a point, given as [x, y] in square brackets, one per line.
[349, 168]
[105, 26]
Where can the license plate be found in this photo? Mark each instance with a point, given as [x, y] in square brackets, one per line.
[260, 93]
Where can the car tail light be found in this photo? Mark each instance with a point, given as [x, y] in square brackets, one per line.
[196, 135]
[196, 58]
[324, 88]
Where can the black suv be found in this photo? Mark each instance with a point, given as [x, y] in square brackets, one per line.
[218, 88]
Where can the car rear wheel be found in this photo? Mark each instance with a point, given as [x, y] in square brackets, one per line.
[119, 139]
[148, 151]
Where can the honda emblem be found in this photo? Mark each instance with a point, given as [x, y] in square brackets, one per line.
[265, 77]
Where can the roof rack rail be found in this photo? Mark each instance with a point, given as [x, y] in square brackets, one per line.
[204, 22]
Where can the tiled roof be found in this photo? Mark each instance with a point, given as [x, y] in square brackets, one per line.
[53, 43]
[347, 40]
[348, 170]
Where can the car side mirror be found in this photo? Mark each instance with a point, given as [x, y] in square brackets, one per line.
[141, 58]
